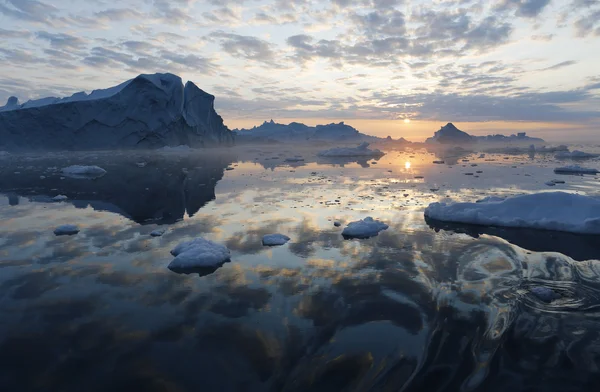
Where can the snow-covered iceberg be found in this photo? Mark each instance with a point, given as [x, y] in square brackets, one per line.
[575, 169]
[557, 211]
[364, 228]
[198, 253]
[360, 151]
[148, 111]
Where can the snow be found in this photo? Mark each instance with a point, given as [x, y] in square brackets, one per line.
[199, 253]
[85, 172]
[158, 232]
[66, 230]
[545, 294]
[275, 239]
[556, 211]
[361, 151]
[60, 198]
[575, 169]
[575, 154]
[364, 228]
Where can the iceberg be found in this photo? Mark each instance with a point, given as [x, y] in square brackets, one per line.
[275, 239]
[158, 232]
[557, 211]
[361, 151]
[149, 111]
[198, 253]
[575, 169]
[365, 228]
[575, 154]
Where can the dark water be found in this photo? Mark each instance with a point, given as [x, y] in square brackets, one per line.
[424, 306]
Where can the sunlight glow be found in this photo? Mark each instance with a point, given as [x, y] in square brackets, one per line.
[407, 121]
[407, 165]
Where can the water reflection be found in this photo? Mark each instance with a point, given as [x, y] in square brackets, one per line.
[412, 309]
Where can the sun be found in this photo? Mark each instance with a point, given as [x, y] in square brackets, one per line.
[407, 121]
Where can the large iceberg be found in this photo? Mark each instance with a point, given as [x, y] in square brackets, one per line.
[149, 111]
[558, 211]
[450, 134]
[270, 131]
[360, 151]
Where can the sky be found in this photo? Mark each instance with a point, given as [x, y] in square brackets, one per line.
[490, 66]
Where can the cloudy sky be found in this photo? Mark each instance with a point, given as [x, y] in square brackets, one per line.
[496, 65]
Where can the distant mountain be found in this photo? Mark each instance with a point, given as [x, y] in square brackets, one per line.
[270, 131]
[149, 111]
[449, 134]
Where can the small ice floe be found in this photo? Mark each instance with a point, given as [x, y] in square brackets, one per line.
[550, 183]
[60, 198]
[558, 181]
[141, 164]
[575, 169]
[275, 239]
[83, 172]
[294, 159]
[337, 223]
[575, 154]
[419, 177]
[360, 151]
[439, 162]
[158, 232]
[229, 168]
[198, 253]
[545, 294]
[558, 211]
[66, 230]
[364, 228]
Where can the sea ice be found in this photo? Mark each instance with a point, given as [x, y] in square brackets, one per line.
[66, 230]
[60, 198]
[275, 239]
[198, 253]
[364, 228]
[360, 151]
[557, 211]
[575, 169]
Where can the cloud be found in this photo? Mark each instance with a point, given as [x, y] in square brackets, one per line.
[559, 65]
[27, 10]
[62, 41]
[524, 8]
[14, 34]
[246, 47]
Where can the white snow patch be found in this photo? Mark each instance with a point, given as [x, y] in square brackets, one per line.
[66, 230]
[360, 151]
[199, 253]
[364, 228]
[558, 211]
[575, 169]
[275, 239]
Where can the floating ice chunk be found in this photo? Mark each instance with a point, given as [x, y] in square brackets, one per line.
[365, 228]
[360, 151]
[275, 239]
[198, 253]
[295, 159]
[337, 223]
[545, 294]
[575, 169]
[85, 172]
[558, 181]
[550, 183]
[158, 232]
[576, 154]
[66, 230]
[557, 211]
[60, 198]
[481, 156]
[439, 162]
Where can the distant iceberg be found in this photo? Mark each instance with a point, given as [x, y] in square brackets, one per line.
[575, 154]
[575, 169]
[361, 151]
[558, 211]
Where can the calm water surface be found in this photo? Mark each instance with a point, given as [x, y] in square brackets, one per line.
[424, 306]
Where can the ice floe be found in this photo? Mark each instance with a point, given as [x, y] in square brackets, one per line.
[82, 171]
[575, 169]
[199, 253]
[66, 230]
[275, 239]
[364, 228]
